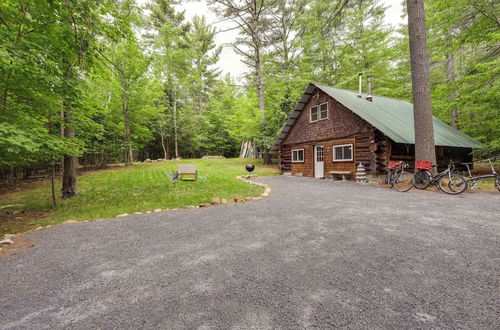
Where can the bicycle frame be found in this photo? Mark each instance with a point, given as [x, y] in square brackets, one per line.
[473, 179]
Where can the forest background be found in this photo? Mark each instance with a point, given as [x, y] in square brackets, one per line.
[119, 81]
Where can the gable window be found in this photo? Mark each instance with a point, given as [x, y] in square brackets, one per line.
[342, 152]
[319, 112]
[297, 155]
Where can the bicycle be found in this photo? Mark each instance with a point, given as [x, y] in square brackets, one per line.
[473, 181]
[397, 177]
[449, 181]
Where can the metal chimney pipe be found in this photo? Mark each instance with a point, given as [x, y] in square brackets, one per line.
[369, 97]
[360, 91]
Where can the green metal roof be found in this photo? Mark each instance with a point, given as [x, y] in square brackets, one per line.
[392, 117]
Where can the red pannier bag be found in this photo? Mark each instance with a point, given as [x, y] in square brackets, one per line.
[424, 165]
[393, 165]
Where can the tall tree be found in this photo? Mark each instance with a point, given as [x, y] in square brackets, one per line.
[252, 20]
[422, 108]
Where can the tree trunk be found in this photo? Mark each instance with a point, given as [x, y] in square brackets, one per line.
[450, 77]
[175, 125]
[61, 117]
[422, 108]
[128, 133]
[165, 152]
[260, 89]
[52, 178]
[69, 172]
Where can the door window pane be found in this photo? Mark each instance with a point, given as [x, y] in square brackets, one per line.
[319, 153]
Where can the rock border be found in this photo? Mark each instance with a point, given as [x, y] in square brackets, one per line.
[214, 202]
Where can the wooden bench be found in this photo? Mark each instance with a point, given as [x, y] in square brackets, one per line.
[187, 172]
[343, 173]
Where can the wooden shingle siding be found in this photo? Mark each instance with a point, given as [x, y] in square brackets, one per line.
[305, 168]
[341, 123]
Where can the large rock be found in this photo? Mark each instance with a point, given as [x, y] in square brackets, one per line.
[215, 200]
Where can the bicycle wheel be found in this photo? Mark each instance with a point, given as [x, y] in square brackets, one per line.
[422, 179]
[497, 183]
[404, 181]
[453, 184]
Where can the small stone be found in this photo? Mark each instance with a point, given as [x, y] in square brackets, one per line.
[122, 215]
[156, 210]
[137, 212]
[189, 207]
[264, 195]
[148, 212]
[215, 201]
[38, 228]
[70, 221]
[9, 236]
[267, 191]
[204, 205]
[16, 212]
[18, 218]
[223, 201]
[239, 199]
[7, 241]
[249, 198]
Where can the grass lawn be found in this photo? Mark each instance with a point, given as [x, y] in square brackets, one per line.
[139, 188]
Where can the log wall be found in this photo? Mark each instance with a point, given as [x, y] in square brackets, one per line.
[371, 147]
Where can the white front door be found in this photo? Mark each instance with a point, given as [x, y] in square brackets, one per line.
[319, 162]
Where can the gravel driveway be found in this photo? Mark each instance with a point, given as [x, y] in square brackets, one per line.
[315, 254]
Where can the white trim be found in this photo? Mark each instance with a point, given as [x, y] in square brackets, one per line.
[319, 165]
[303, 156]
[319, 112]
[343, 145]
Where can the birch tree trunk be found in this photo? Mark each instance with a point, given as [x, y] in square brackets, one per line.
[163, 144]
[422, 108]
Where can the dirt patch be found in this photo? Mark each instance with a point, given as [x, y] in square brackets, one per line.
[20, 245]
[14, 220]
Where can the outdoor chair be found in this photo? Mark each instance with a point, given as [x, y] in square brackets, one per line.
[187, 172]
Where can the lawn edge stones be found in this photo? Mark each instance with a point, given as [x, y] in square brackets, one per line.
[244, 178]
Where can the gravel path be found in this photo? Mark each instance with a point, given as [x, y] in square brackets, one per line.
[315, 254]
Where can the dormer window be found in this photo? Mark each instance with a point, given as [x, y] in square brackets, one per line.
[319, 112]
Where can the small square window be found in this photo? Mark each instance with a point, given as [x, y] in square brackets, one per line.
[342, 153]
[297, 155]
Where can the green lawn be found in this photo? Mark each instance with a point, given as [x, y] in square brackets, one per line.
[139, 188]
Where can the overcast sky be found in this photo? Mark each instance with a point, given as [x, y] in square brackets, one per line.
[229, 61]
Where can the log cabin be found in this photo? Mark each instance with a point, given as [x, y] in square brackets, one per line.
[332, 130]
